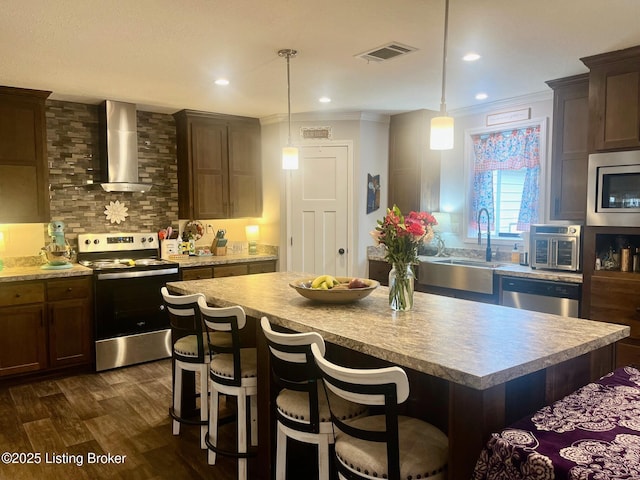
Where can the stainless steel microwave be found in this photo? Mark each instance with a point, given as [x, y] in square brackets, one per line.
[613, 189]
[555, 247]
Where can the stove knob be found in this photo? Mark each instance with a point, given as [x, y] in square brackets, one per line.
[143, 240]
[96, 241]
[150, 239]
[87, 242]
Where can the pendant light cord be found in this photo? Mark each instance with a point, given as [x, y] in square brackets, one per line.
[289, 98]
[443, 104]
[288, 53]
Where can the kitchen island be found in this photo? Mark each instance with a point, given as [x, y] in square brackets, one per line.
[473, 367]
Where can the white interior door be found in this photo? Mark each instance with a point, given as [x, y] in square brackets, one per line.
[319, 211]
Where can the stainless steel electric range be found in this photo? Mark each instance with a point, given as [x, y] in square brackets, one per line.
[130, 324]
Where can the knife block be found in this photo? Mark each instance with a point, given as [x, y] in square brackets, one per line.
[220, 251]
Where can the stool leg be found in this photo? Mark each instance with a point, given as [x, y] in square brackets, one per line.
[253, 408]
[204, 404]
[177, 399]
[213, 424]
[323, 457]
[281, 453]
[242, 434]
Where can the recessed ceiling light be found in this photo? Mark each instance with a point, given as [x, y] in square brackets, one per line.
[471, 57]
[222, 81]
[481, 96]
[324, 99]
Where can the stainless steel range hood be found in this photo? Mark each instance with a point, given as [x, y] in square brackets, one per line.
[119, 148]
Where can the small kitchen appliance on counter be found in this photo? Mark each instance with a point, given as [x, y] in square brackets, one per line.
[131, 325]
[58, 252]
[556, 247]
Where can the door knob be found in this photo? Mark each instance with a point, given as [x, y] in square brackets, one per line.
[341, 251]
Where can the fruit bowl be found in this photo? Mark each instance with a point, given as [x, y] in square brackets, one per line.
[339, 294]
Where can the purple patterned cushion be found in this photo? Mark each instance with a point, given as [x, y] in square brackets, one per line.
[591, 434]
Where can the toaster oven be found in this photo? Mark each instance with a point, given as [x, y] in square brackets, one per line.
[556, 247]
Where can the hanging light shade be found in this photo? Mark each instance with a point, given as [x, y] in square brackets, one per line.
[441, 133]
[441, 137]
[289, 153]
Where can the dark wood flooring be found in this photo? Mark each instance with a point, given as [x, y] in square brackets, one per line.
[118, 412]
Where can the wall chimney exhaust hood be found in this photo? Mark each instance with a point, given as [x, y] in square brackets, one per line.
[119, 148]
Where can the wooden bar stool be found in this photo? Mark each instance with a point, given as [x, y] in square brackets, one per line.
[388, 445]
[190, 353]
[302, 410]
[232, 372]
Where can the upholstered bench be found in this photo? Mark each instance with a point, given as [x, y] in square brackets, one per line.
[593, 433]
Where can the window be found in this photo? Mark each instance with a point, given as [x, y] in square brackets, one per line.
[504, 177]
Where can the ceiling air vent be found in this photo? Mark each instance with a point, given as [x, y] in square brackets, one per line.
[386, 52]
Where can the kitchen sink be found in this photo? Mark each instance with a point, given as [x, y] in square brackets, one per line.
[468, 263]
[459, 274]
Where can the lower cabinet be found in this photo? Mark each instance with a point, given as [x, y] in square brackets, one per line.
[379, 270]
[227, 270]
[617, 300]
[45, 325]
[23, 339]
[69, 315]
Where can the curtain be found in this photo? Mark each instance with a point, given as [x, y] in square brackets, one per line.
[506, 150]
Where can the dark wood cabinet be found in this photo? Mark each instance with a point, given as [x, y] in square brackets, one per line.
[614, 100]
[44, 325]
[219, 165]
[23, 333]
[227, 270]
[24, 190]
[612, 295]
[69, 315]
[414, 170]
[379, 270]
[570, 150]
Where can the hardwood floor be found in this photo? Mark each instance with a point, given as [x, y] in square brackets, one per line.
[119, 412]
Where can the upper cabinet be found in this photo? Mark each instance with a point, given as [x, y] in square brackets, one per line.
[219, 165]
[24, 190]
[414, 170]
[614, 100]
[570, 151]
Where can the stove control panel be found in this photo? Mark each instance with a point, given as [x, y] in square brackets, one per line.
[116, 242]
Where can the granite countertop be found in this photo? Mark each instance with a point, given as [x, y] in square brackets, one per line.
[207, 260]
[516, 270]
[504, 268]
[34, 272]
[470, 343]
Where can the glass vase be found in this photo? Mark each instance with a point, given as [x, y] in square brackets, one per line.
[401, 287]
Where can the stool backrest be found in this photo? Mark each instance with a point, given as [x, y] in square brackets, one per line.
[384, 388]
[293, 367]
[226, 319]
[185, 320]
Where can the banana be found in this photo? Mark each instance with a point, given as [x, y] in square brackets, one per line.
[318, 280]
[328, 281]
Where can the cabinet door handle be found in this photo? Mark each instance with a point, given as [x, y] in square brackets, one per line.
[18, 295]
[69, 289]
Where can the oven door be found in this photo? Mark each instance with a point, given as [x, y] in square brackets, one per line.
[555, 253]
[130, 302]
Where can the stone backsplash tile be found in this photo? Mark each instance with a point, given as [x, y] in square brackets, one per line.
[73, 155]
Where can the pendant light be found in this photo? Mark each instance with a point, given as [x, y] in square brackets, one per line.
[442, 126]
[289, 153]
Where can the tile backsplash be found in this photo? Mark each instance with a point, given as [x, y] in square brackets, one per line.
[73, 154]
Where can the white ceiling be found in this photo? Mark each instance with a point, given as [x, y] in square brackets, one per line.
[164, 54]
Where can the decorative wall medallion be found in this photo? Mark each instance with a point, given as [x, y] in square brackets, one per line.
[116, 212]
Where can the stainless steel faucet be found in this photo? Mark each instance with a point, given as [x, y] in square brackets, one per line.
[488, 251]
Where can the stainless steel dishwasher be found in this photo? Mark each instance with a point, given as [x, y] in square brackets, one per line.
[547, 296]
